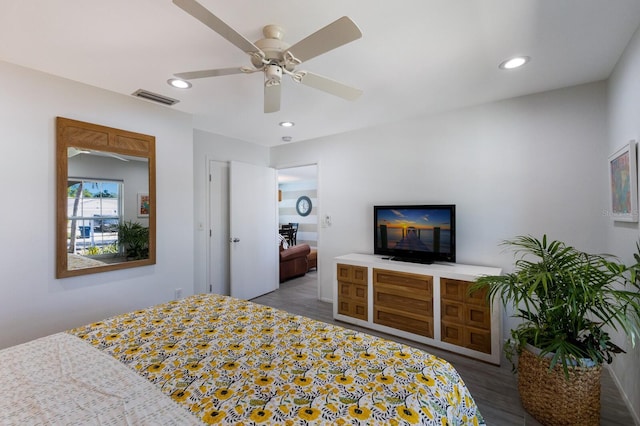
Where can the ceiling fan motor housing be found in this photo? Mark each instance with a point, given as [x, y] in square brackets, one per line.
[272, 47]
[273, 74]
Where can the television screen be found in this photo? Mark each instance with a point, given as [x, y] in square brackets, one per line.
[416, 233]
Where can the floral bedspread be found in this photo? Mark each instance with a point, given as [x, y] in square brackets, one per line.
[232, 361]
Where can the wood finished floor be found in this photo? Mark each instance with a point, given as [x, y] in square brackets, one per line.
[493, 388]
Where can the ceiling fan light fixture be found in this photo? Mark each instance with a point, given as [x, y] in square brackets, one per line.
[178, 83]
[513, 63]
[286, 124]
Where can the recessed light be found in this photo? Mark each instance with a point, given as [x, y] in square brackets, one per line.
[179, 84]
[287, 123]
[515, 62]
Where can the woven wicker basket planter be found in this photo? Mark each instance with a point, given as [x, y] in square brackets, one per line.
[555, 401]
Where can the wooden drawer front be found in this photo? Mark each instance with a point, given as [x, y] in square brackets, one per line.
[359, 275]
[356, 292]
[353, 274]
[352, 308]
[344, 272]
[453, 289]
[452, 333]
[384, 298]
[401, 320]
[476, 298]
[477, 339]
[452, 311]
[410, 283]
[477, 316]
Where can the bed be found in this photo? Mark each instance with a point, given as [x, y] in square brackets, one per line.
[210, 359]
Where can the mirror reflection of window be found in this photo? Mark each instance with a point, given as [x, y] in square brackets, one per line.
[94, 212]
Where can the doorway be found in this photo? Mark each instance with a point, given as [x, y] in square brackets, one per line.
[298, 204]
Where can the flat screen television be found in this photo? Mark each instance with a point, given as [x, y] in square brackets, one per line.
[416, 233]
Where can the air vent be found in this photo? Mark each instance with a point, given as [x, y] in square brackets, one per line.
[145, 94]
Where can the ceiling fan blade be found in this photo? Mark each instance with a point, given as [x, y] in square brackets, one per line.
[191, 75]
[339, 32]
[203, 15]
[327, 85]
[272, 97]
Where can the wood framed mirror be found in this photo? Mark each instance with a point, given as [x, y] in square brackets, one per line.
[105, 199]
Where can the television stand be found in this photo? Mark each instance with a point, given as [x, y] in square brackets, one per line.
[429, 304]
[411, 260]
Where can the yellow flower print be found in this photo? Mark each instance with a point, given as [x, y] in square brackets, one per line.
[267, 330]
[325, 339]
[235, 347]
[344, 380]
[332, 357]
[427, 380]
[367, 355]
[147, 333]
[155, 367]
[223, 394]
[194, 366]
[360, 413]
[264, 381]
[180, 395]
[132, 350]
[267, 367]
[111, 337]
[177, 333]
[230, 365]
[403, 355]
[203, 345]
[444, 421]
[214, 416]
[300, 357]
[298, 345]
[384, 379]
[309, 413]
[260, 415]
[170, 347]
[408, 414]
[210, 331]
[427, 412]
[302, 381]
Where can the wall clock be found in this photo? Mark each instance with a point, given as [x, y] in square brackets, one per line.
[303, 205]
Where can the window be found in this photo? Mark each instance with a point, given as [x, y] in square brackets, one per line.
[94, 213]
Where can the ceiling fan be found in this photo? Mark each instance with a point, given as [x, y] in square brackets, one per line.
[274, 57]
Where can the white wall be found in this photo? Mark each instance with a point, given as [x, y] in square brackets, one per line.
[527, 165]
[624, 124]
[33, 302]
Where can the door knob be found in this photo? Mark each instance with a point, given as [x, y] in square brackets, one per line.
[234, 240]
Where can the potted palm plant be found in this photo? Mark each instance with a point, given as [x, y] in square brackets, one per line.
[566, 300]
[134, 238]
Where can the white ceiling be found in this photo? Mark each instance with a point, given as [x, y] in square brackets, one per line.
[415, 57]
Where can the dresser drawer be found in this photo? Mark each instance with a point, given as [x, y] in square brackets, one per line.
[402, 320]
[356, 292]
[352, 274]
[404, 282]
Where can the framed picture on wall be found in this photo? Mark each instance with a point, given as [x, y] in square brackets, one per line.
[143, 204]
[623, 183]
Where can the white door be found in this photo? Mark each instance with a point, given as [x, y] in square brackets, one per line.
[253, 233]
[218, 261]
